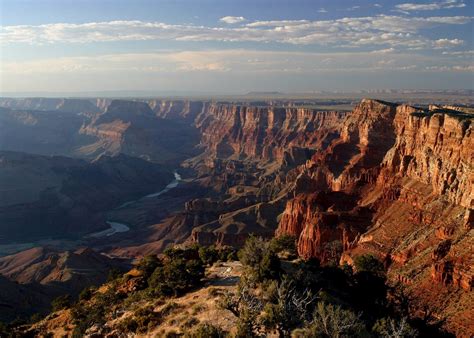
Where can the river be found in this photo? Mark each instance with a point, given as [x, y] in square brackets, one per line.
[116, 227]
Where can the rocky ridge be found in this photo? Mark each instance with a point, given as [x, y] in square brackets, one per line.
[392, 180]
[387, 179]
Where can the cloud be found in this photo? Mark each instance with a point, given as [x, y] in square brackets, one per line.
[230, 70]
[431, 6]
[469, 68]
[232, 19]
[236, 61]
[446, 43]
[383, 51]
[322, 10]
[466, 68]
[166, 62]
[387, 31]
[460, 53]
[353, 8]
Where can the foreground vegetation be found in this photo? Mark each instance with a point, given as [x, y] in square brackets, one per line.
[277, 295]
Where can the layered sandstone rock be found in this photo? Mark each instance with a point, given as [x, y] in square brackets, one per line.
[131, 127]
[51, 104]
[435, 148]
[178, 109]
[382, 143]
[264, 132]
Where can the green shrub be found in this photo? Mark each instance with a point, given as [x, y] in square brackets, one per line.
[232, 256]
[128, 324]
[114, 274]
[333, 321]
[169, 308]
[206, 330]
[146, 319]
[389, 327]
[148, 264]
[85, 315]
[198, 308]
[260, 259]
[86, 294]
[369, 263]
[208, 254]
[214, 292]
[189, 253]
[190, 322]
[60, 303]
[36, 317]
[284, 244]
[176, 276]
[287, 306]
[227, 253]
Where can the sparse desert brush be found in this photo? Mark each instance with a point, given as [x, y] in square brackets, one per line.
[142, 320]
[170, 308]
[214, 292]
[197, 308]
[189, 322]
[206, 330]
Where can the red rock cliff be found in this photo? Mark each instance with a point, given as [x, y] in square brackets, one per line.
[263, 133]
[409, 176]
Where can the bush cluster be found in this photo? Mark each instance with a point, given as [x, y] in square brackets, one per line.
[305, 299]
[276, 295]
[210, 254]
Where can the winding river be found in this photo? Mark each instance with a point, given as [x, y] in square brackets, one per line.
[116, 227]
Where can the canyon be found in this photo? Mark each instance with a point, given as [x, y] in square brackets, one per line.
[387, 179]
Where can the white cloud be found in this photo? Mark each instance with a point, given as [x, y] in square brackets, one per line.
[431, 6]
[279, 23]
[382, 30]
[322, 10]
[235, 60]
[465, 68]
[353, 8]
[232, 19]
[383, 51]
[460, 53]
[469, 68]
[446, 43]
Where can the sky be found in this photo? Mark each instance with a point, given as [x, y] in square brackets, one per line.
[235, 46]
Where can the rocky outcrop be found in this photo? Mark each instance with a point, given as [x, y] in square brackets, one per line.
[51, 104]
[132, 128]
[88, 128]
[182, 110]
[409, 175]
[435, 148]
[379, 145]
[348, 165]
[268, 133]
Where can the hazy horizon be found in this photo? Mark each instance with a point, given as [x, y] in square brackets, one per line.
[234, 47]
